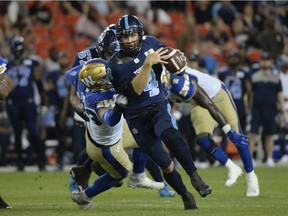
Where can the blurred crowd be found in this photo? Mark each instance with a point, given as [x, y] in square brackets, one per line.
[230, 40]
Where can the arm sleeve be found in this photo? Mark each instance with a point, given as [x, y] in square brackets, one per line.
[111, 118]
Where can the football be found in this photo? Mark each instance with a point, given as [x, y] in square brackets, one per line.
[176, 61]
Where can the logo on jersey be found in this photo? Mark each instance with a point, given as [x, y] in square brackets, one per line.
[134, 131]
[109, 74]
[88, 81]
[136, 72]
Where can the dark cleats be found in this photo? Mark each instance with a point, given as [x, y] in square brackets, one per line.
[189, 201]
[81, 175]
[200, 186]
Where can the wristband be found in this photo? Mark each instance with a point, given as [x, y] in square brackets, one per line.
[226, 128]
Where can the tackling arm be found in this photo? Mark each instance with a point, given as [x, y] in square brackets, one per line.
[76, 104]
[203, 100]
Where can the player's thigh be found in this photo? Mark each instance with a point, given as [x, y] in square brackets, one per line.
[127, 138]
[114, 159]
[202, 120]
[226, 106]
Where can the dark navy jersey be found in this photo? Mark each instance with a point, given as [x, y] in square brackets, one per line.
[84, 56]
[122, 69]
[22, 75]
[235, 82]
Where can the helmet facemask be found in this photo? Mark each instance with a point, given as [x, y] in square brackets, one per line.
[127, 26]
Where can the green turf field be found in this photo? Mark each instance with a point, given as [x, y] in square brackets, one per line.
[46, 194]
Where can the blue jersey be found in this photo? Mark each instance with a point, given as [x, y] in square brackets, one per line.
[122, 69]
[235, 82]
[22, 75]
[92, 102]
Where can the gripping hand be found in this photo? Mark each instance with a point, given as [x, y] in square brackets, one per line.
[120, 103]
[240, 140]
[2, 65]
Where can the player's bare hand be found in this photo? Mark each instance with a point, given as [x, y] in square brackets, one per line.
[156, 57]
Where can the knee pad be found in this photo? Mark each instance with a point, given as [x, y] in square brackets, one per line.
[208, 144]
[172, 139]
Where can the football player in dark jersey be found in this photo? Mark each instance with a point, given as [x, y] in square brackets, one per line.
[21, 106]
[5, 88]
[106, 46]
[135, 72]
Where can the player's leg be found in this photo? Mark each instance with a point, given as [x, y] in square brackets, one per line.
[228, 108]
[30, 117]
[165, 128]
[114, 161]
[138, 177]
[153, 147]
[156, 174]
[13, 110]
[204, 125]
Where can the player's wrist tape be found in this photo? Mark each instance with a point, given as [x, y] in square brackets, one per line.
[226, 128]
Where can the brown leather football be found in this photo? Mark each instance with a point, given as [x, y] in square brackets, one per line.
[176, 61]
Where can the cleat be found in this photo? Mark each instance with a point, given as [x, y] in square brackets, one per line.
[166, 192]
[81, 198]
[3, 204]
[252, 185]
[189, 201]
[86, 206]
[142, 181]
[73, 186]
[200, 186]
[233, 175]
[81, 176]
[118, 184]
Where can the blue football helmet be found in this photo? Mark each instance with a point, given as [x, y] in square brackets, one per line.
[126, 25]
[107, 44]
[111, 27]
[17, 46]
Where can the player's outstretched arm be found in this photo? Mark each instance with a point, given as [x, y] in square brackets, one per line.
[202, 99]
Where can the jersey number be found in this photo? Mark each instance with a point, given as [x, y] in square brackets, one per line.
[153, 86]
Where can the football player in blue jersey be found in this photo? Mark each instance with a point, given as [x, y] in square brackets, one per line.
[21, 106]
[135, 72]
[5, 87]
[212, 101]
[104, 128]
[106, 46]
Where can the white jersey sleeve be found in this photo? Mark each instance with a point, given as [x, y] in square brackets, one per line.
[211, 85]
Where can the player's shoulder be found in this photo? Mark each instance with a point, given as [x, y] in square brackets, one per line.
[72, 74]
[150, 41]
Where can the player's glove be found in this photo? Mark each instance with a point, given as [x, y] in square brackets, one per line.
[2, 65]
[240, 140]
[120, 103]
